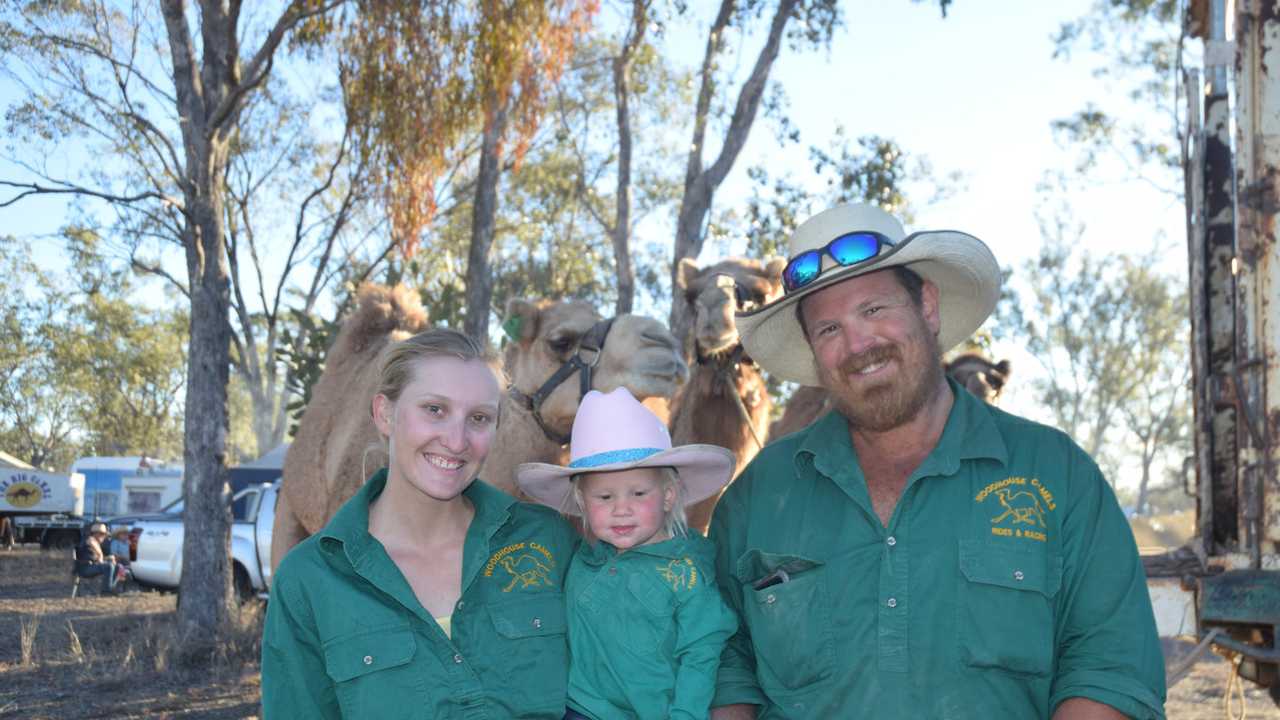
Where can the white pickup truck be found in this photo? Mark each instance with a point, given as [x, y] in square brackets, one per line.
[158, 559]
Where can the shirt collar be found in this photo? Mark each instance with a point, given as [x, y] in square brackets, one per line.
[600, 552]
[970, 433]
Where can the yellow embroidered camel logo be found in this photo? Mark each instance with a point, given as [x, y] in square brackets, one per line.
[1022, 506]
[526, 571]
[679, 573]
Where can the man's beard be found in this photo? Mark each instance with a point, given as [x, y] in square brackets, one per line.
[892, 403]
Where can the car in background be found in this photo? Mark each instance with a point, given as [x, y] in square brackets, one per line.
[156, 542]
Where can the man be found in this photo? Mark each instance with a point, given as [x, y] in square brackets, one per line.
[918, 554]
[91, 561]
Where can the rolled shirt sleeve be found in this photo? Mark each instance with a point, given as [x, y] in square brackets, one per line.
[1108, 648]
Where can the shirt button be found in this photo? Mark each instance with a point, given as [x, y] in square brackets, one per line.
[613, 571]
[893, 602]
[537, 622]
[368, 659]
[457, 659]
[891, 541]
[1017, 575]
[770, 599]
[460, 604]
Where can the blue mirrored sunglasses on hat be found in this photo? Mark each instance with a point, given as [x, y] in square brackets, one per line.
[848, 249]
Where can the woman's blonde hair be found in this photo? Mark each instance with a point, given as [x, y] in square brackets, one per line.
[397, 363]
[674, 523]
[399, 358]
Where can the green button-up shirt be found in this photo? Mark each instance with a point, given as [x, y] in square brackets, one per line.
[1006, 582]
[346, 636]
[646, 629]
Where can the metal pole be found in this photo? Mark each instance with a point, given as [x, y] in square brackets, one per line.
[1258, 274]
[1219, 294]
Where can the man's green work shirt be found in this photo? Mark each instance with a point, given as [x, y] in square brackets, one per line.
[646, 629]
[1006, 582]
[346, 636]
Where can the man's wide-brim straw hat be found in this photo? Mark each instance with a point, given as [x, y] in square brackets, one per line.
[960, 265]
[613, 431]
[98, 527]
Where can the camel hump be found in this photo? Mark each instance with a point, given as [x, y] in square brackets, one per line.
[380, 311]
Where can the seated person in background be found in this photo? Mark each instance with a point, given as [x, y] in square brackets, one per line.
[91, 561]
[119, 546]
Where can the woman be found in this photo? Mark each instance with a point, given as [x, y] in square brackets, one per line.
[428, 595]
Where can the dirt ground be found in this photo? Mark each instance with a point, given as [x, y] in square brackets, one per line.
[111, 657]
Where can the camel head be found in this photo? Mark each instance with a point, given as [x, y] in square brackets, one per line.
[979, 375]
[639, 354]
[716, 292]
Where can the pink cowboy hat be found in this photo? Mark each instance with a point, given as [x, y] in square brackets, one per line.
[615, 432]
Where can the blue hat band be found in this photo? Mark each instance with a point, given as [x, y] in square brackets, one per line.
[611, 457]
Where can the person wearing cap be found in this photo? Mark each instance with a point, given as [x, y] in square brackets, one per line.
[429, 594]
[91, 561]
[916, 552]
[646, 621]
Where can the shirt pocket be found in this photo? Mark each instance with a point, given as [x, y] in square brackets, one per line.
[790, 620]
[1007, 608]
[531, 660]
[373, 665]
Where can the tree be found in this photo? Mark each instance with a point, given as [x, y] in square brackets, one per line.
[1109, 332]
[815, 21]
[1141, 47]
[85, 370]
[421, 75]
[168, 106]
[871, 169]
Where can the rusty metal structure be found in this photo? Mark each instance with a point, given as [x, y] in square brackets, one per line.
[1233, 203]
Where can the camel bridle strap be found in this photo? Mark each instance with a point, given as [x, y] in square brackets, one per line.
[726, 366]
[592, 342]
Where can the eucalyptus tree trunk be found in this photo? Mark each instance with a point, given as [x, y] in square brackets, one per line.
[621, 235]
[210, 94]
[479, 294]
[700, 182]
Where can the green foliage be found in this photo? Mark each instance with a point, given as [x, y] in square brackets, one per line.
[85, 370]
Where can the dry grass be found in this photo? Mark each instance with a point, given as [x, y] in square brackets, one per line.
[112, 655]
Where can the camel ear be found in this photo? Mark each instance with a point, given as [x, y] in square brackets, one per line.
[521, 324]
[686, 273]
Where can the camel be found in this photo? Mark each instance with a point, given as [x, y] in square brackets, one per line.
[337, 445]
[725, 402]
[977, 374]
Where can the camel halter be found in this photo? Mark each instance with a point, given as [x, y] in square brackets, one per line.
[726, 366]
[592, 341]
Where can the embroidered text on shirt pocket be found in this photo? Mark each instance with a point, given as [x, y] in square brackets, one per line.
[1007, 607]
[789, 622]
[371, 665]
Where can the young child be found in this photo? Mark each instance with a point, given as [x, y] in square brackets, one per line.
[646, 621]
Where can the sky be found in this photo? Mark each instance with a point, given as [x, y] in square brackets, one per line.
[974, 92]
